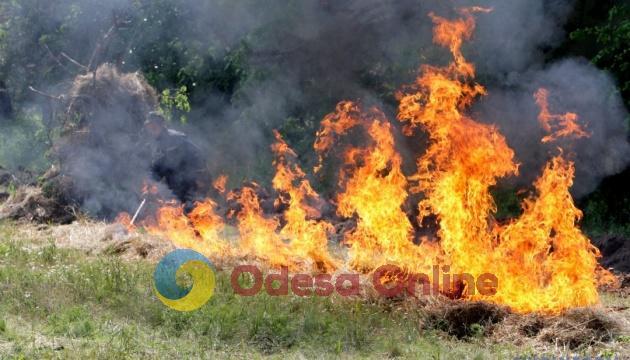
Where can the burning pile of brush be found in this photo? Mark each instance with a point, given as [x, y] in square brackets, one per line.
[542, 260]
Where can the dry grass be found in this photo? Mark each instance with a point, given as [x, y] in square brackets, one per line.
[601, 331]
[106, 89]
[28, 203]
[96, 238]
[576, 331]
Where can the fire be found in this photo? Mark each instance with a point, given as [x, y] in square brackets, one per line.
[542, 260]
[333, 125]
[309, 238]
[220, 184]
[375, 191]
[464, 158]
[200, 230]
[566, 124]
[149, 188]
[258, 234]
[124, 219]
[209, 226]
[545, 261]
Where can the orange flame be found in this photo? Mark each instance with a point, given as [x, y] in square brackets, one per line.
[149, 188]
[566, 124]
[375, 193]
[220, 183]
[464, 158]
[124, 219]
[258, 236]
[200, 230]
[334, 125]
[309, 238]
[542, 260]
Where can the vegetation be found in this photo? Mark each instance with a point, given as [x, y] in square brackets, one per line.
[607, 45]
[604, 40]
[37, 37]
[81, 307]
[61, 303]
[25, 143]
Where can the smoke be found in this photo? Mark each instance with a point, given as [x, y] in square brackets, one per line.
[302, 57]
[513, 38]
[334, 45]
[105, 158]
[509, 51]
[574, 86]
[307, 57]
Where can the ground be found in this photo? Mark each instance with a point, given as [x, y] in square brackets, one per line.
[85, 291]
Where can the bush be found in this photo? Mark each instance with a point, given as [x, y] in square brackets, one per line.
[25, 143]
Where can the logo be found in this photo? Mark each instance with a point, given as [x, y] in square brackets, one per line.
[388, 281]
[177, 264]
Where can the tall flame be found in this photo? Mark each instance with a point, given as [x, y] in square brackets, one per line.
[464, 158]
[258, 235]
[542, 260]
[309, 238]
[375, 191]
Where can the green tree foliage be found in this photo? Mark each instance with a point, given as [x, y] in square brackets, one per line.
[25, 143]
[612, 50]
[45, 44]
[175, 104]
[36, 36]
[605, 42]
[190, 59]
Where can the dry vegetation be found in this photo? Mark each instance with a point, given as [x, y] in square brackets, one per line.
[83, 290]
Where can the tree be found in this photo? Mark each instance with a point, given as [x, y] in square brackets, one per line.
[612, 51]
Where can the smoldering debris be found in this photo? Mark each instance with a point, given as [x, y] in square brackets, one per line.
[101, 152]
[21, 198]
[576, 329]
[464, 319]
[106, 90]
[29, 203]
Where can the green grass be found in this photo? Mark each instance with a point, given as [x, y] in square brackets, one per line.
[59, 303]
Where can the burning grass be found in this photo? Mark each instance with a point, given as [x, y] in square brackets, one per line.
[66, 295]
[542, 259]
[547, 268]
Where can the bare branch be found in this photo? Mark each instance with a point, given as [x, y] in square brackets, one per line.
[73, 61]
[39, 92]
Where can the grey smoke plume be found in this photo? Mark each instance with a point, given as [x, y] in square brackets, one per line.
[334, 43]
[513, 37]
[508, 51]
[310, 54]
[574, 86]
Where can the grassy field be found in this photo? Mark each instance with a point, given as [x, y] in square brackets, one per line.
[62, 303]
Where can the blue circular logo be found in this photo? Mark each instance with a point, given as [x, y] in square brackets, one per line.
[176, 264]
